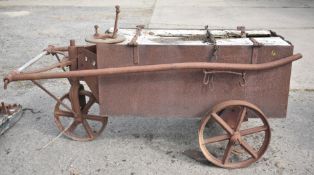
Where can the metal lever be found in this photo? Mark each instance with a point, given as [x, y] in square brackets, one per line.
[115, 30]
[114, 35]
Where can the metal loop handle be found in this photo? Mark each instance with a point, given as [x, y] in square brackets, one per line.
[211, 73]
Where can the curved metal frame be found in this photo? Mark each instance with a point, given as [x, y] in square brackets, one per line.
[16, 76]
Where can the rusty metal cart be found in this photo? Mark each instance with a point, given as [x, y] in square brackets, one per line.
[220, 75]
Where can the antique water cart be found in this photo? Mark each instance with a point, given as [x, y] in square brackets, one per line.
[219, 75]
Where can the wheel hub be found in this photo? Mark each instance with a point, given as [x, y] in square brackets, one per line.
[235, 137]
[79, 119]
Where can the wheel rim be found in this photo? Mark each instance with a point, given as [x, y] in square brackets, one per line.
[234, 136]
[84, 126]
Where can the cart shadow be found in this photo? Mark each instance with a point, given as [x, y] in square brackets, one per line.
[175, 137]
[197, 156]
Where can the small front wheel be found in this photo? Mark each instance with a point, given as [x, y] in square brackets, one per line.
[83, 126]
[235, 146]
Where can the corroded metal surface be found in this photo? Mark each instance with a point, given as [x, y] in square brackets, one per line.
[68, 122]
[109, 38]
[152, 68]
[172, 73]
[9, 115]
[234, 135]
[182, 93]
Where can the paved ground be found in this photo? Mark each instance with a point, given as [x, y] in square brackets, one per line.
[137, 145]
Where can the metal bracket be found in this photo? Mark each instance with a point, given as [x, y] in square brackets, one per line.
[242, 29]
[133, 43]
[256, 45]
[211, 39]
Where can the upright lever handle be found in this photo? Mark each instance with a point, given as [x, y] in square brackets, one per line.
[114, 34]
[115, 30]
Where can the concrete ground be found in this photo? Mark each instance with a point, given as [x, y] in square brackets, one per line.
[138, 145]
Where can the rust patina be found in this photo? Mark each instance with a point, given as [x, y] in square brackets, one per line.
[226, 77]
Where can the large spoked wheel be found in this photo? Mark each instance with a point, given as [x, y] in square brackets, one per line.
[239, 145]
[83, 126]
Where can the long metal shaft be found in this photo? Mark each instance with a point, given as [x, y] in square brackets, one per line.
[53, 96]
[115, 30]
[32, 61]
[158, 67]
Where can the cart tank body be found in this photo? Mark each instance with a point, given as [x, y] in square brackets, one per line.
[189, 93]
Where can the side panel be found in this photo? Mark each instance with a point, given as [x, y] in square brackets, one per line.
[269, 89]
[169, 93]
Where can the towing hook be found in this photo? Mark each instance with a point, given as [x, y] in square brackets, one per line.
[8, 78]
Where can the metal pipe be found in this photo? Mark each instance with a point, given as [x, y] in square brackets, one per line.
[32, 61]
[61, 65]
[155, 68]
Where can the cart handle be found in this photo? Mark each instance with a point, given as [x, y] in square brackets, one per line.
[152, 68]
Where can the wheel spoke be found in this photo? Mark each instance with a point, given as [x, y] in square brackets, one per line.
[227, 152]
[241, 118]
[253, 130]
[88, 105]
[216, 139]
[65, 105]
[249, 149]
[88, 128]
[100, 118]
[64, 113]
[72, 126]
[222, 123]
